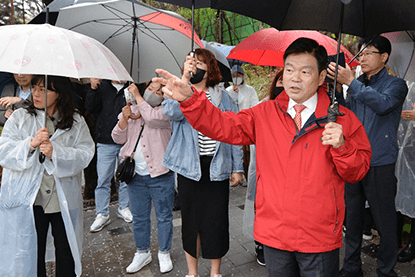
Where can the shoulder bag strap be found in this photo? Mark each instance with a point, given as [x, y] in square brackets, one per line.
[138, 140]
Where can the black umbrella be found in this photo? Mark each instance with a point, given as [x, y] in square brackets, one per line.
[361, 17]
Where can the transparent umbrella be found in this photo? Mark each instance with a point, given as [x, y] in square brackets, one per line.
[48, 50]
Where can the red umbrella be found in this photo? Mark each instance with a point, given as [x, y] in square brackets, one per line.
[266, 47]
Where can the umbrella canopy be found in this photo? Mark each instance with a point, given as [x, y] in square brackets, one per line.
[54, 8]
[401, 60]
[142, 37]
[223, 63]
[49, 50]
[266, 47]
[361, 17]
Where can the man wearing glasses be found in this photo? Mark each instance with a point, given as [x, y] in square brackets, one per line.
[376, 98]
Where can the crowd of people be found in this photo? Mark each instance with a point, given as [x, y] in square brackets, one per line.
[309, 178]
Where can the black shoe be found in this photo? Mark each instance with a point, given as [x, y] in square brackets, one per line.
[259, 252]
[407, 254]
[344, 273]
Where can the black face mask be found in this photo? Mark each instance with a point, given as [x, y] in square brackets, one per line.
[276, 91]
[198, 77]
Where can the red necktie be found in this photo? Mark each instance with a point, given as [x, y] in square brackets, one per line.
[297, 118]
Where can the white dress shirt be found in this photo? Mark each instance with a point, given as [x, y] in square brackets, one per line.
[310, 104]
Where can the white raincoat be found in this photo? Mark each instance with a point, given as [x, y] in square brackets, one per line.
[246, 97]
[22, 174]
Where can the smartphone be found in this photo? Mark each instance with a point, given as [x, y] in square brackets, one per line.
[129, 97]
[332, 58]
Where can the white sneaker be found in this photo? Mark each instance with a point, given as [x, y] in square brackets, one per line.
[140, 260]
[125, 214]
[100, 222]
[165, 262]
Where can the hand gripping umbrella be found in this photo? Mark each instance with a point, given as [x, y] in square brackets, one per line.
[142, 37]
[49, 50]
[191, 4]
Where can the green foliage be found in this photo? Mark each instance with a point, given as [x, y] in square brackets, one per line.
[235, 27]
[259, 77]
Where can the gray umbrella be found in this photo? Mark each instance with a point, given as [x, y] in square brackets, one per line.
[142, 37]
[54, 8]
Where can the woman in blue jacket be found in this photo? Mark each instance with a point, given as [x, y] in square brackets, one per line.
[204, 167]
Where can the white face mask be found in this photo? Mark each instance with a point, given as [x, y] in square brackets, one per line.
[238, 80]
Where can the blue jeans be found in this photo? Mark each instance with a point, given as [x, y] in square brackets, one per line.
[296, 264]
[160, 190]
[107, 156]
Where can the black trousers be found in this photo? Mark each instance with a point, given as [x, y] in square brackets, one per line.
[379, 188]
[65, 265]
[281, 263]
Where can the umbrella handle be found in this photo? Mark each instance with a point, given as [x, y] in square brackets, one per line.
[192, 54]
[41, 157]
[333, 111]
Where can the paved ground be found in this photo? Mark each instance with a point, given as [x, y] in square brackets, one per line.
[110, 251]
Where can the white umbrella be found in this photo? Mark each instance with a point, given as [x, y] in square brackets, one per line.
[401, 60]
[143, 38]
[48, 50]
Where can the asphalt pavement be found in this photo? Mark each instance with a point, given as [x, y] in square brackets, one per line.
[109, 252]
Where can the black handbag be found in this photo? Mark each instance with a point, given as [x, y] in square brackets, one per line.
[126, 170]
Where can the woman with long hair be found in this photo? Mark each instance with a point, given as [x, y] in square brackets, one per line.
[37, 194]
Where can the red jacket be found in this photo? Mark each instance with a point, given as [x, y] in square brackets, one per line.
[300, 182]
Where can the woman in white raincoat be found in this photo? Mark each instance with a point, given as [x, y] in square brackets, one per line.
[37, 195]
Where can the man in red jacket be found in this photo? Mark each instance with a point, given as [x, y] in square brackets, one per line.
[303, 162]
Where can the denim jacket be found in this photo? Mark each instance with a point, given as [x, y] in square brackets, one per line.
[182, 153]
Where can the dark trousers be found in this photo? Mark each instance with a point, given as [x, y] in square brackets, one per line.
[294, 264]
[379, 188]
[65, 265]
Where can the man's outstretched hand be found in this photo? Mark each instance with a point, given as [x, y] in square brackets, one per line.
[176, 88]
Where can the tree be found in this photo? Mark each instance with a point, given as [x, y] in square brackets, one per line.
[23, 10]
[213, 25]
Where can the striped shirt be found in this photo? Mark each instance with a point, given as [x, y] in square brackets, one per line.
[207, 145]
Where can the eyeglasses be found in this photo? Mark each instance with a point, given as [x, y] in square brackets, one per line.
[367, 53]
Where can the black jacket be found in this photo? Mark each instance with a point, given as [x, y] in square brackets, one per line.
[107, 103]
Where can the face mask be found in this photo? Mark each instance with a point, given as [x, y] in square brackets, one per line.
[238, 80]
[198, 77]
[152, 99]
[277, 90]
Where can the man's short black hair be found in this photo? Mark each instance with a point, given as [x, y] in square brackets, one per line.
[382, 44]
[308, 46]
